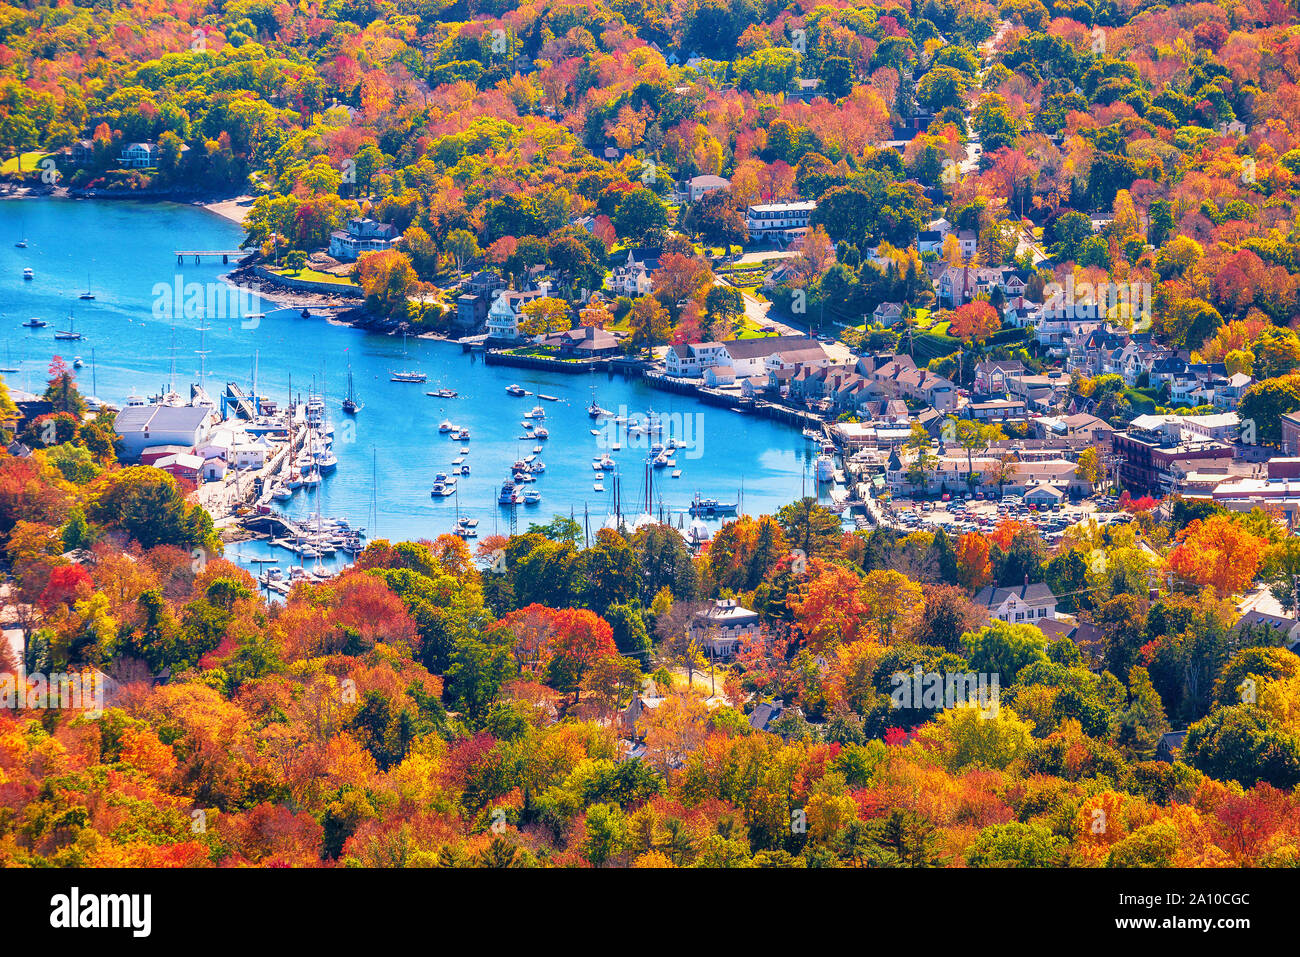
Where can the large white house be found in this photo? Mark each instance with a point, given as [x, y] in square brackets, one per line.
[632, 277]
[722, 626]
[746, 357]
[363, 236]
[1024, 604]
[507, 309]
[778, 222]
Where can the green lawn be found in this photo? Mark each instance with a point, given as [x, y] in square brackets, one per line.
[10, 166]
[311, 275]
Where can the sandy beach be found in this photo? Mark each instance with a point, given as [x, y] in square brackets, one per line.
[235, 210]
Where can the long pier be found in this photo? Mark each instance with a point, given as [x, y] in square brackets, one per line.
[198, 254]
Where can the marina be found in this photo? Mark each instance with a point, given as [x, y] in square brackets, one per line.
[384, 457]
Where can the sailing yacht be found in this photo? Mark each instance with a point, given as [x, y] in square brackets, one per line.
[408, 375]
[87, 295]
[350, 404]
[70, 333]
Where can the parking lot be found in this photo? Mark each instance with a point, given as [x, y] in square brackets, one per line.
[962, 513]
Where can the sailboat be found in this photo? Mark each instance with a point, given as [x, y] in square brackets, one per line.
[350, 405]
[409, 375]
[87, 294]
[9, 366]
[70, 333]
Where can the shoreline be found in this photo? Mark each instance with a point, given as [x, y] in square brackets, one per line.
[235, 209]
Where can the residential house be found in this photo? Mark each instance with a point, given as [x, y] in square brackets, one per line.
[583, 342]
[994, 410]
[991, 376]
[506, 311]
[697, 187]
[689, 360]
[722, 626]
[887, 313]
[631, 278]
[139, 156]
[1020, 605]
[362, 236]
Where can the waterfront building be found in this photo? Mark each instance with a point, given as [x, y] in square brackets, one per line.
[139, 156]
[183, 466]
[142, 426]
[362, 236]
[506, 311]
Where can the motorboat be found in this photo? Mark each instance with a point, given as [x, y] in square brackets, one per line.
[408, 377]
[541, 433]
[711, 506]
[537, 412]
[604, 463]
[446, 393]
[28, 274]
[446, 426]
[532, 497]
[509, 495]
[34, 323]
[515, 390]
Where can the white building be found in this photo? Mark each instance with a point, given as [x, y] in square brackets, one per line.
[142, 426]
[1024, 604]
[362, 236]
[506, 311]
[722, 626]
[778, 222]
[700, 186]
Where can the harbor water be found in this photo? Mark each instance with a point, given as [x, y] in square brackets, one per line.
[391, 451]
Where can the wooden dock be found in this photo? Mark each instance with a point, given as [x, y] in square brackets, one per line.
[198, 254]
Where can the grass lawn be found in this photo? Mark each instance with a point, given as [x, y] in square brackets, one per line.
[749, 329]
[10, 166]
[311, 275]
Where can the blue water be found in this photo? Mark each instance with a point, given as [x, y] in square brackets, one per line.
[124, 249]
